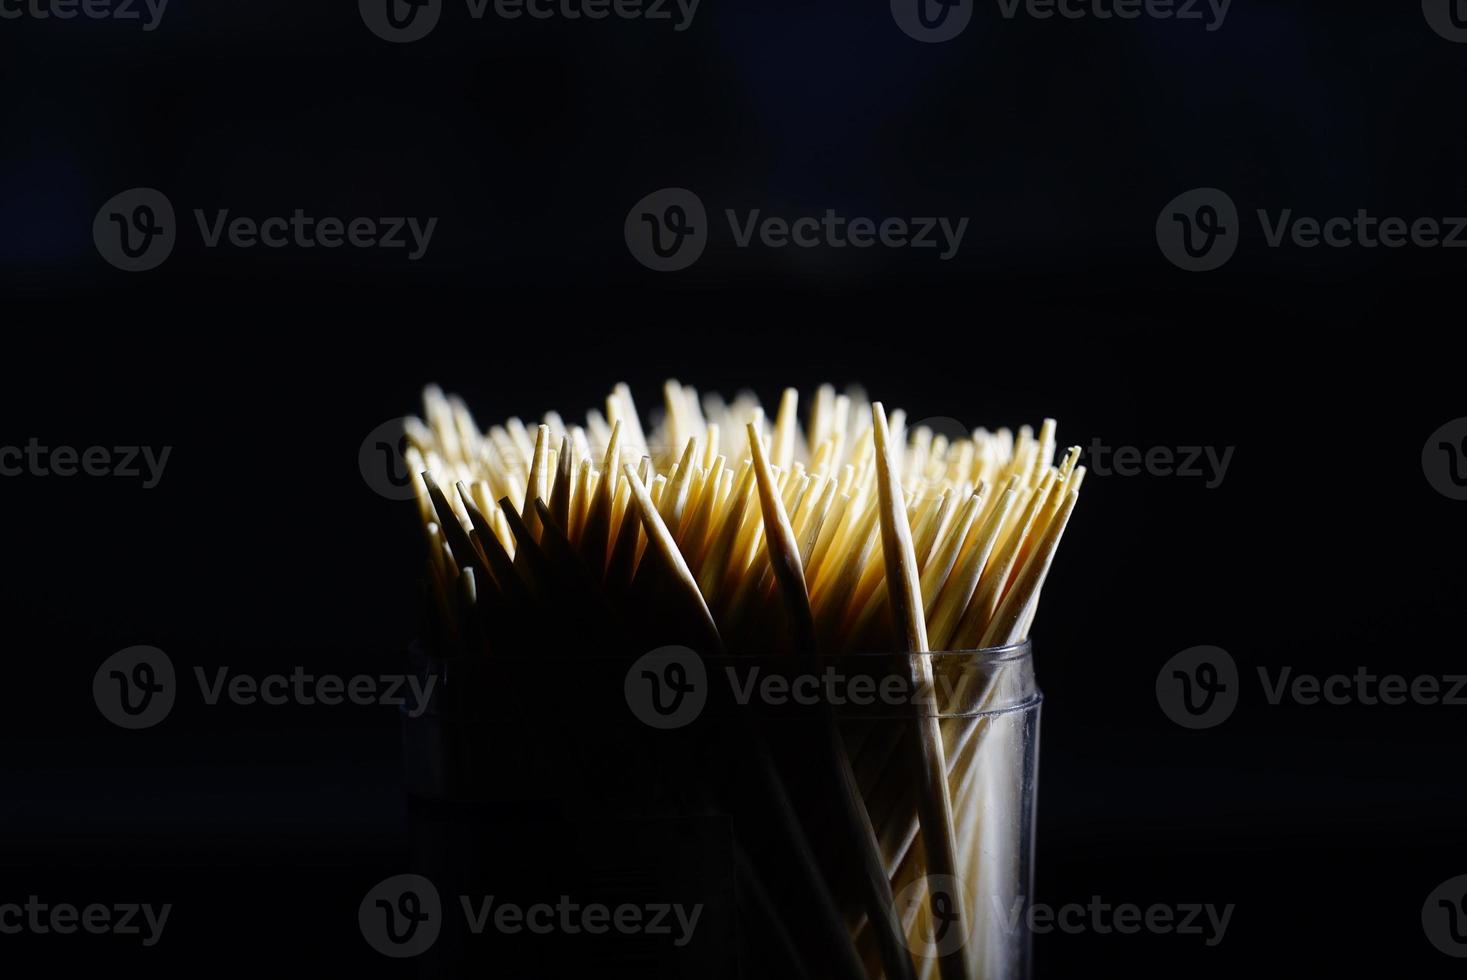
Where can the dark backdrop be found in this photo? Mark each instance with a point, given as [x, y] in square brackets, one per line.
[1325, 548]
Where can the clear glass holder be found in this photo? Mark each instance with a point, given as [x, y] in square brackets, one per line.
[816, 764]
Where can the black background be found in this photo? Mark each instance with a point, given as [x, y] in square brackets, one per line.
[262, 548]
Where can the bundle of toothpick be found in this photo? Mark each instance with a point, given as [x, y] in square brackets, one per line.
[714, 525]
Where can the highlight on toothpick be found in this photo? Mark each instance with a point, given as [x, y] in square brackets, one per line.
[904, 540]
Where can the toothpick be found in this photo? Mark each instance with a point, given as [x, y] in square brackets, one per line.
[660, 541]
[905, 594]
